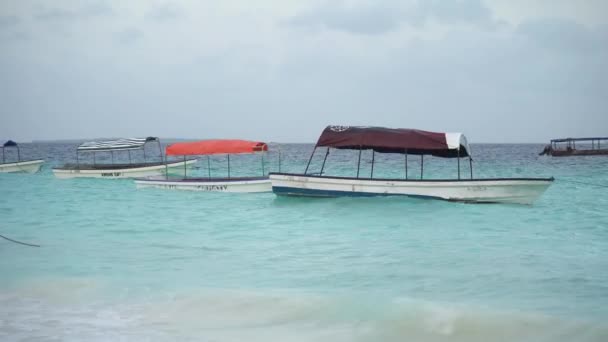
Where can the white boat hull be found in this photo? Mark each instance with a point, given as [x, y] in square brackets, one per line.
[30, 166]
[503, 190]
[261, 184]
[134, 172]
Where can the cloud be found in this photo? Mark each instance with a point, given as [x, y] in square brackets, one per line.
[128, 36]
[8, 21]
[386, 16]
[64, 15]
[565, 35]
[165, 12]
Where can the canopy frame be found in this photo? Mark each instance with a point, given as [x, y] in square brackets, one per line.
[120, 145]
[11, 144]
[456, 143]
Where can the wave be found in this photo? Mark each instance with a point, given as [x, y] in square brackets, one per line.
[88, 309]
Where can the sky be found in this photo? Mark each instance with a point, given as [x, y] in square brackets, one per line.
[281, 70]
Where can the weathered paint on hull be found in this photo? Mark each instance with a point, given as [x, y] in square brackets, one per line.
[146, 171]
[519, 191]
[233, 185]
[30, 166]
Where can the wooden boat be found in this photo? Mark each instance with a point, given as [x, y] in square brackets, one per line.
[215, 184]
[568, 147]
[405, 142]
[119, 170]
[27, 166]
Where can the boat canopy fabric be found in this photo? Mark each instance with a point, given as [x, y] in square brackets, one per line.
[395, 140]
[112, 145]
[206, 147]
[10, 143]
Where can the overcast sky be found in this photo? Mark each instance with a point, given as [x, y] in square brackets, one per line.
[280, 70]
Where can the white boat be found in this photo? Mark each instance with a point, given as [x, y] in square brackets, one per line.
[406, 142]
[212, 184]
[27, 166]
[121, 170]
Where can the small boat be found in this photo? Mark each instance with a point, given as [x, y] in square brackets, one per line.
[209, 183]
[119, 170]
[405, 142]
[28, 166]
[567, 147]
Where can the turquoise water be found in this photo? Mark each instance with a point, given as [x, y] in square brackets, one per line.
[118, 263]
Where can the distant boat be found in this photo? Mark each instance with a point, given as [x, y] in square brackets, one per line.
[119, 170]
[405, 142]
[27, 166]
[568, 147]
[214, 184]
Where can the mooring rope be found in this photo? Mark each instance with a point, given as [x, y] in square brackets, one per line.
[19, 242]
[584, 183]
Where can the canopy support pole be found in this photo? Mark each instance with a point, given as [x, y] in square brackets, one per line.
[262, 164]
[77, 161]
[421, 166]
[94, 161]
[3, 155]
[160, 150]
[458, 163]
[18, 154]
[405, 154]
[310, 159]
[359, 162]
[324, 159]
[166, 168]
[144, 149]
[129, 156]
[112, 154]
[471, 166]
[185, 174]
[279, 160]
[208, 167]
[371, 175]
[228, 166]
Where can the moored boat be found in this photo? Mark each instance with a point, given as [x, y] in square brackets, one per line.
[119, 170]
[27, 166]
[568, 147]
[405, 142]
[209, 183]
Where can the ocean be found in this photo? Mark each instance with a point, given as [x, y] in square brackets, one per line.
[118, 263]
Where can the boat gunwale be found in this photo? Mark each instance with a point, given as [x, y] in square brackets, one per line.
[104, 167]
[550, 179]
[203, 179]
[23, 161]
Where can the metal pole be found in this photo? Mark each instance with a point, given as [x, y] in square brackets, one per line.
[471, 166]
[3, 155]
[228, 166]
[77, 161]
[18, 154]
[112, 153]
[143, 148]
[129, 156]
[208, 167]
[405, 163]
[421, 165]
[372, 172]
[458, 163]
[324, 159]
[262, 164]
[166, 167]
[185, 175]
[359, 162]
[310, 159]
[160, 150]
[279, 160]
[94, 161]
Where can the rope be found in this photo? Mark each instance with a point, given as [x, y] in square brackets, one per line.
[585, 183]
[19, 242]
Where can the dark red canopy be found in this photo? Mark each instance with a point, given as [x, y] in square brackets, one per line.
[204, 147]
[395, 140]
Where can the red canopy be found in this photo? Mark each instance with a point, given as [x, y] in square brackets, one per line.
[215, 147]
[395, 140]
